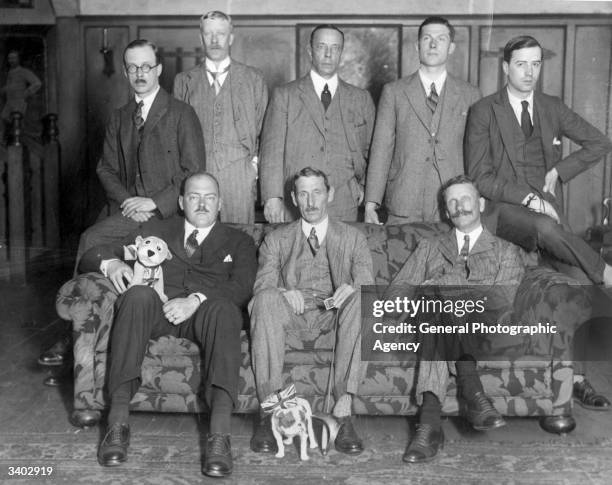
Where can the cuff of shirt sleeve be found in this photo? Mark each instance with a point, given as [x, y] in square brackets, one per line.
[104, 265]
[200, 296]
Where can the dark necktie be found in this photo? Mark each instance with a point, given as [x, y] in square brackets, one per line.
[465, 251]
[313, 241]
[526, 124]
[138, 119]
[432, 99]
[215, 75]
[192, 243]
[326, 97]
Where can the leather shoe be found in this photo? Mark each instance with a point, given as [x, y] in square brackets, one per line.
[425, 444]
[481, 413]
[263, 440]
[57, 354]
[347, 441]
[113, 448]
[587, 397]
[218, 457]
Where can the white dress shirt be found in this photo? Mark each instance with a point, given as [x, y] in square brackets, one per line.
[474, 235]
[223, 66]
[426, 81]
[320, 82]
[517, 107]
[147, 101]
[320, 229]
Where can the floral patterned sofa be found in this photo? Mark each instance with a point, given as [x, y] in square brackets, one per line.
[539, 386]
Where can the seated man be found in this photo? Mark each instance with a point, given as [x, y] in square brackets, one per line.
[301, 265]
[468, 255]
[209, 278]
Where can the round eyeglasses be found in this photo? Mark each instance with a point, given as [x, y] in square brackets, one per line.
[145, 68]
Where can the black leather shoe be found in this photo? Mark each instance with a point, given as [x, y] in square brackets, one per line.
[263, 440]
[481, 413]
[218, 458]
[57, 354]
[587, 397]
[347, 440]
[425, 445]
[114, 446]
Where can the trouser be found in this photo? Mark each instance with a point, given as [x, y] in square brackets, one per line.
[273, 323]
[238, 189]
[214, 327]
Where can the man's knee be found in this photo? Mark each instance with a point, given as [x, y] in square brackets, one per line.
[139, 295]
[267, 297]
[548, 229]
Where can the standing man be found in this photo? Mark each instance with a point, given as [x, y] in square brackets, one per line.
[467, 255]
[513, 152]
[318, 121]
[418, 138]
[301, 265]
[208, 279]
[230, 100]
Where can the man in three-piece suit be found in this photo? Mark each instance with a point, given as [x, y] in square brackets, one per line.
[318, 121]
[207, 280]
[513, 152]
[419, 132]
[300, 266]
[230, 100]
[467, 255]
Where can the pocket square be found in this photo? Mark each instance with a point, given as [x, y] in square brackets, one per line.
[556, 141]
[228, 259]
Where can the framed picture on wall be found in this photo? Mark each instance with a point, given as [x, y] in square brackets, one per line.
[370, 59]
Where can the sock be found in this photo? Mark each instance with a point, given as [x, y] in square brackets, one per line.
[342, 408]
[467, 377]
[431, 410]
[120, 402]
[221, 411]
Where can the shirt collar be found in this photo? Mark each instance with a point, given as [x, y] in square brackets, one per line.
[147, 101]
[223, 65]
[203, 232]
[517, 107]
[427, 79]
[474, 235]
[320, 82]
[320, 228]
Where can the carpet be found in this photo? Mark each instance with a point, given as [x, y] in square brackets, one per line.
[169, 460]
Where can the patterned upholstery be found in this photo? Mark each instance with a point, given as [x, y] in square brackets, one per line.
[539, 382]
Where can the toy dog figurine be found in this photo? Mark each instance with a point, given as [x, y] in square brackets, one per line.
[291, 417]
[149, 254]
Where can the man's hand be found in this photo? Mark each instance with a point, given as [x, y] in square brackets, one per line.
[141, 216]
[120, 275]
[178, 310]
[274, 210]
[370, 213]
[137, 204]
[550, 181]
[542, 206]
[341, 294]
[295, 300]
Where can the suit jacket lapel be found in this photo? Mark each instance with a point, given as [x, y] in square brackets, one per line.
[344, 102]
[415, 94]
[335, 253]
[289, 247]
[505, 120]
[448, 246]
[452, 99]
[175, 237]
[127, 130]
[311, 101]
[543, 118]
[483, 243]
[158, 108]
[216, 239]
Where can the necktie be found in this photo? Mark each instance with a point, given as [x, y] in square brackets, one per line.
[432, 99]
[313, 240]
[326, 98]
[138, 119]
[215, 75]
[526, 124]
[465, 251]
[192, 243]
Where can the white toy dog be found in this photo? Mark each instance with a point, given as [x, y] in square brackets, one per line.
[291, 417]
[149, 254]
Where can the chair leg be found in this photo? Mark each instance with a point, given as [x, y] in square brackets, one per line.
[85, 418]
[558, 424]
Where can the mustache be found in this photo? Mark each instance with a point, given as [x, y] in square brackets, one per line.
[460, 212]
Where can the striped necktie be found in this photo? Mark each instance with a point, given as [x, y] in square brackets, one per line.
[192, 243]
[464, 253]
[432, 99]
[215, 75]
[138, 119]
[313, 241]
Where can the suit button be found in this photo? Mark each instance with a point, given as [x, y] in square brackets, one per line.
[322, 149]
[428, 159]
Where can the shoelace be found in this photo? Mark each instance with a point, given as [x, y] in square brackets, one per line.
[421, 438]
[115, 434]
[483, 403]
[218, 445]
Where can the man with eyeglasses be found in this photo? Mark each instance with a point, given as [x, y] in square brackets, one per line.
[207, 280]
[318, 121]
[230, 99]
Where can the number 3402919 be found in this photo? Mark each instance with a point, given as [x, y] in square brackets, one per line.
[28, 471]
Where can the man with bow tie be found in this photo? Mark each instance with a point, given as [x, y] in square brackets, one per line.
[207, 281]
[301, 266]
[319, 121]
[467, 255]
[230, 99]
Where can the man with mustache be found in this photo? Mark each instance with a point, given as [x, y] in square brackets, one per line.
[513, 151]
[302, 265]
[230, 100]
[467, 255]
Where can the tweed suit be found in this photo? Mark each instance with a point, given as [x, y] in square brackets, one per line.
[294, 136]
[273, 320]
[492, 261]
[414, 152]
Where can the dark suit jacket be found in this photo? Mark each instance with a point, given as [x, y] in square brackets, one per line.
[490, 148]
[284, 139]
[223, 267]
[171, 148]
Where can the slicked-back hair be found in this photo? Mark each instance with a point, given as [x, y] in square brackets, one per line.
[309, 172]
[218, 15]
[441, 21]
[197, 175]
[520, 42]
[143, 43]
[322, 27]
